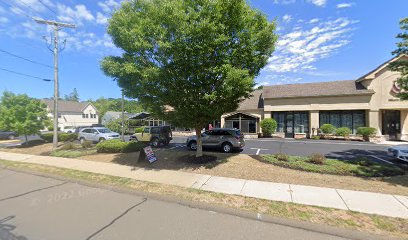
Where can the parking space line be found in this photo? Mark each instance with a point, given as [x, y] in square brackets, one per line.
[257, 152]
[381, 159]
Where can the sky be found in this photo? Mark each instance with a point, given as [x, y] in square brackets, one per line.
[319, 40]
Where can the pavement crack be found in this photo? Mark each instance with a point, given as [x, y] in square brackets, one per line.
[36, 190]
[115, 219]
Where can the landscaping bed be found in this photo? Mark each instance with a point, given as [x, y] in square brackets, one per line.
[358, 167]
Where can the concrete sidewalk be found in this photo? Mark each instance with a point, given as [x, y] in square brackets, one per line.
[366, 202]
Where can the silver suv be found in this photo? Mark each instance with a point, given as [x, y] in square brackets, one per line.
[96, 134]
[225, 138]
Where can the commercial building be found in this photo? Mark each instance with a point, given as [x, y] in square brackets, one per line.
[300, 109]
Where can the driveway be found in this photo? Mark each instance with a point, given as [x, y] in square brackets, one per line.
[35, 207]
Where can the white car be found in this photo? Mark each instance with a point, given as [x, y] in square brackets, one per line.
[97, 134]
[69, 130]
[399, 152]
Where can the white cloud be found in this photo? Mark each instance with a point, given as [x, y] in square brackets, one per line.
[36, 5]
[287, 18]
[344, 5]
[77, 14]
[297, 51]
[314, 20]
[108, 5]
[284, 1]
[319, 3]
[101, 19]
[3, 20]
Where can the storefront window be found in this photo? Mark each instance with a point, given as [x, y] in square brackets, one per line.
[245, 123]
[350, 119]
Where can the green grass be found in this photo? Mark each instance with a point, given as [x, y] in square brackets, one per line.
[72, 153]
[336, 167]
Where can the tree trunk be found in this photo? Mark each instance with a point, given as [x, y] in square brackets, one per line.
[199, 151]
[26, 138]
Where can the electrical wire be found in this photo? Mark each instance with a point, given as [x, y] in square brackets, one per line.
[40, 14]
[25, 75]
[26, 59]
[19, 12]
[48, 7]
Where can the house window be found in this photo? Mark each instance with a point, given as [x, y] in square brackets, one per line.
[83, 115]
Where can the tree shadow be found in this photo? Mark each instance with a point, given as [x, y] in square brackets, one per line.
[6, 230]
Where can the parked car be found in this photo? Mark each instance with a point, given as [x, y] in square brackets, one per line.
[8, 135]
[226, 139]
[69, 130]
[154, 135]
[399, 152]
[96, 134]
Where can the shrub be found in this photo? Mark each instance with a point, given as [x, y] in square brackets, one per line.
[117, 146]
[317, 158]
[281, 157]
[366, 132]
[327, 129]
[63, 137]
[68, 146]
[343, 131]
[316, 137]
[268, 126]
[116, 125]
[139, 130]
[47, 137]
[86, 144]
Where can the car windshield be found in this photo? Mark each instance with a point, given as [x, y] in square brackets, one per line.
[104, 130]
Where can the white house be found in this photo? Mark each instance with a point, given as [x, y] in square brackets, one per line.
[73, 114]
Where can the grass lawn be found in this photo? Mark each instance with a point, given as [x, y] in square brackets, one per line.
[337, 167]
[385, 226]
[73, 153]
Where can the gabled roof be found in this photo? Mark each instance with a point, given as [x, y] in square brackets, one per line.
[67, 106]
[253, 102]
[371, 75]
[318, 89]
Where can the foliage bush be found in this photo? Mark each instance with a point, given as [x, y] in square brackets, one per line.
[343, 131]
[316, 137]
[366, 132]
[63, 137]
[268, 126]
[68, 146]
[327, 129]
[281, 157]
[117, 146]
[139, 130]
[317, 158]
[86, 144]
[116, 125]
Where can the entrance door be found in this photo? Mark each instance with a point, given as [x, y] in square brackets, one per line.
[391, 123]
[289, 133]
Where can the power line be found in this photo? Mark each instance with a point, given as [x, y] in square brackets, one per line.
[19, 12]
[30, 8]
[47, 7]
[26, 59]
[25, 75]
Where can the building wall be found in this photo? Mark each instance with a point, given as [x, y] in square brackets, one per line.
[71, 119]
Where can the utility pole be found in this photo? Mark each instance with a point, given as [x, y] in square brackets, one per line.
[57, 26]
[123, 117]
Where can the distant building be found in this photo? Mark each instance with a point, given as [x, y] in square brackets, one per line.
[73, 114]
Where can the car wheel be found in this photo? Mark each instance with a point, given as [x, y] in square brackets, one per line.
[227, 147]
[11, 137]
[155, 142]
[193, 145]
[101, 139]
[82, 140]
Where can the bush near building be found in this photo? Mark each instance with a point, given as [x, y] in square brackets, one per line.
[63, 137]
[117, 146]
[343, 131]
[268, 126]
[327, 128]
[366, 132]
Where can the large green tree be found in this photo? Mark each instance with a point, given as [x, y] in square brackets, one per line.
[22, 114]
[73, 96]
[402, 64]
[189, 61]
[115, 104]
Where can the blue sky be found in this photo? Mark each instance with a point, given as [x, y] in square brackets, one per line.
[319, 40]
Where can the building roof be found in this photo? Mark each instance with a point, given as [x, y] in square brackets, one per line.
[66, 106]
[253, 102]
[371, 74]
[335, 88]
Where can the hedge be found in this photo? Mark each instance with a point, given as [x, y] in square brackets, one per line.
[117, 146]
[366, 131]
[327, 128]
[343, 131]
[63, 137]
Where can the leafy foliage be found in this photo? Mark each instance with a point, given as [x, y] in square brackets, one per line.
[86, 144]
[117, 146]
[268, 126]
[281, 156]
[115, 104]
[189, 61]
[64, 137]
[366, 131]
[327, 129]
[317, 158]
[73, 96]
[402, 64]
[343, 131]
[22, 114]
[116, 125]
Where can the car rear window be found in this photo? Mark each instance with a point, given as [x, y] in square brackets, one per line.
[238, 132]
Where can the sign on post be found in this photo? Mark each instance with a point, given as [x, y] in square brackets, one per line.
[150, 154]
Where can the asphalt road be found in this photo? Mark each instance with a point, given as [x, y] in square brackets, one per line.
[34, 207]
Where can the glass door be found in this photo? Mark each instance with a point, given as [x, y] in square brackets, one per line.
[391, 124]
[289, 133]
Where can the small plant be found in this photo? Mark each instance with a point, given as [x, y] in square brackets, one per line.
[268, 126]
[327, 129]
[343, 131]
[68, 146]
[86, 144]
[117, 146]
[139, 130]
[366, 132]
[281, 157]
[316, 137]
[317, 158]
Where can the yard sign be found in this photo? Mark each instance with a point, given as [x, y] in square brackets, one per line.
[150, 154]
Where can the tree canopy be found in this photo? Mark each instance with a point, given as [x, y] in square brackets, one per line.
[73, 96]
[402, 65]
[198, 58]
[115, 104]
[22, 114]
